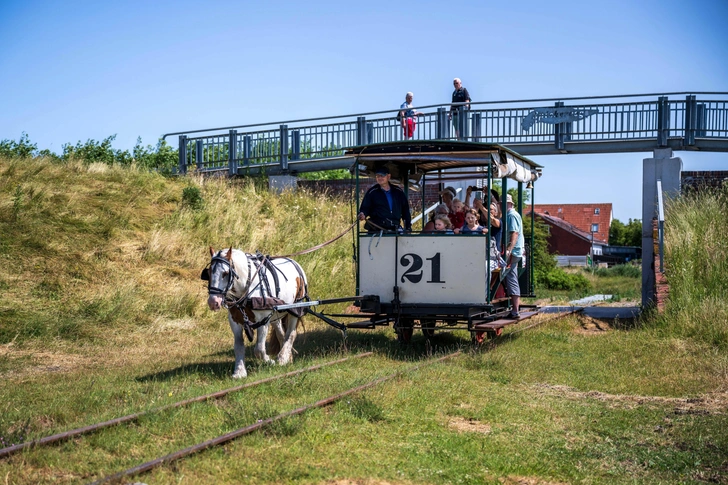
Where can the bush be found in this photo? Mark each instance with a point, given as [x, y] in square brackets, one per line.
[558, 279]
[626, 270]
[192, 198]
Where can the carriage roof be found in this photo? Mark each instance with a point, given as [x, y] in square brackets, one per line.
[422, 157]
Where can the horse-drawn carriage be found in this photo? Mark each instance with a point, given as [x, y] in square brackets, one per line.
[437, 281]
[413, 279]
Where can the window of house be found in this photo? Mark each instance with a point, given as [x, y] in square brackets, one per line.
[596, 211]
[595, 228]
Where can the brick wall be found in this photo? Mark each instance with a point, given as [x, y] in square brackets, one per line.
[662, 289]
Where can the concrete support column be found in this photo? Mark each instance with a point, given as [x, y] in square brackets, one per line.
[667, 169]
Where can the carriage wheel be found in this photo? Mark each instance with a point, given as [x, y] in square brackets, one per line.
[428, 328]
[404, 330]
[479, 338]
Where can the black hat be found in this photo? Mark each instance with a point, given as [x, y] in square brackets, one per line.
[383, 170]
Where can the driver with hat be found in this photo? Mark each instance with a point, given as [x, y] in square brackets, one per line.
[385, 205]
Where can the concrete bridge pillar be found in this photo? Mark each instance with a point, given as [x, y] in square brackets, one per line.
[666, 168]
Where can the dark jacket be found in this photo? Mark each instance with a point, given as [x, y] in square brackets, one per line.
[375, 206]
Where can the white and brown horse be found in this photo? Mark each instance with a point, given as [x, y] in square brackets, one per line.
[249, 286]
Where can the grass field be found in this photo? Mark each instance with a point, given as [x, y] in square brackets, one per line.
[102, 314]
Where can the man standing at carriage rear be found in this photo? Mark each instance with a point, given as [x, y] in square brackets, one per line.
[407, 116]
[460, 95]
[514, 252]
[385, 205]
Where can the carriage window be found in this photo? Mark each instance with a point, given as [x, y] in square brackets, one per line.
[596, 211]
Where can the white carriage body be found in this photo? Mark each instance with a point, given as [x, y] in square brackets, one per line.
[427, 268]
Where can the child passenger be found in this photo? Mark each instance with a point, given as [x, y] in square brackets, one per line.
[457, 216]
[443, 224]
[471, 224]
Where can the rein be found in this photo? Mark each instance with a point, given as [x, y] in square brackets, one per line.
[318, 246]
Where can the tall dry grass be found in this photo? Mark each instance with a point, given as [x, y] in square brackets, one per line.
[697, 266]
[86, 250]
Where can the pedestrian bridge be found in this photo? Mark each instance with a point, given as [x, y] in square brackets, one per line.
[695, 121]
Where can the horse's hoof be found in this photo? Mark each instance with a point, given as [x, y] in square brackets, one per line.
[240, 375]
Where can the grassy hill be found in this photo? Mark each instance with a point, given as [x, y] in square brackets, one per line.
[102, 314]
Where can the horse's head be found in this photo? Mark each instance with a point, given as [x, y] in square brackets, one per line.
[220, 276]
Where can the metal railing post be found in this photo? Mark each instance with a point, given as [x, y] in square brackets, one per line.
[370, 133]
[295, 145]
[247, 141]
[663, 121]
[283, 134]
[199, 154]
[233, 153]
[559, 130]
[361, 127]
[441, 124]
[691, 119]
[475, 133]
[701, 120]
[462, 123]
[183, 154]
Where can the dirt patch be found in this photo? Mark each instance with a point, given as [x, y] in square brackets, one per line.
[40, 362]
[712, 403]
[516, 480]
[346, 481]
[591, 326]
[468, 425]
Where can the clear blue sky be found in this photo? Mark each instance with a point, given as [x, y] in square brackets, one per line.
[81, 70]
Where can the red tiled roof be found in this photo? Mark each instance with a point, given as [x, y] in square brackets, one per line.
[582, 216]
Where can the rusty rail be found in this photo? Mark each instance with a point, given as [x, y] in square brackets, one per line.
[144, 467]
[132, 417]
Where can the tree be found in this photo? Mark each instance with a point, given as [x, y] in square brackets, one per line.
[626, 235]
[616, 233]
[633, 233]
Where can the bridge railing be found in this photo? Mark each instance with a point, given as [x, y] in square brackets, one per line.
[538, 128]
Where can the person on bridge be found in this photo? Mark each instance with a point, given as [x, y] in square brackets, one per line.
[514, 253]
[385, 205]
[407, 116]
[460, 95]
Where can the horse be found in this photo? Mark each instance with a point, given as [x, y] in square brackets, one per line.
[249, 286]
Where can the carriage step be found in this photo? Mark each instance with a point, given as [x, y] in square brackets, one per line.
[501, 322]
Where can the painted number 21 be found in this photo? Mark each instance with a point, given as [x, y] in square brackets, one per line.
[414, 272]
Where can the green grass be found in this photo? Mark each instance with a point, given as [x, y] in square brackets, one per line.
[102, 314]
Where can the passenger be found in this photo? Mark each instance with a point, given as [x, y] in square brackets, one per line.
[448, 194]
[514, 252]
[494, 214]
[457, 215]
[385, 205]
[471, 224]
[443, 224]
[439, 209]
[407, 117]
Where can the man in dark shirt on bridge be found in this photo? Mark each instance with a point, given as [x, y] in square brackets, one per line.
[385, 205]
[459, 95]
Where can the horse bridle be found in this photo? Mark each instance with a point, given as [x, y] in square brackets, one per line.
[213, 290]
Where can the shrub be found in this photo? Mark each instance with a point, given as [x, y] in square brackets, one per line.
[626, 270]
[558, 279]
[192, 198]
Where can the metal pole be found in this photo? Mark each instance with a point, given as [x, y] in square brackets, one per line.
[233, 153]
[284, 147]
[183, 154]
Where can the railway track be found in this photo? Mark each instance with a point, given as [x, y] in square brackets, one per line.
[180, 454]
[48, 440]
